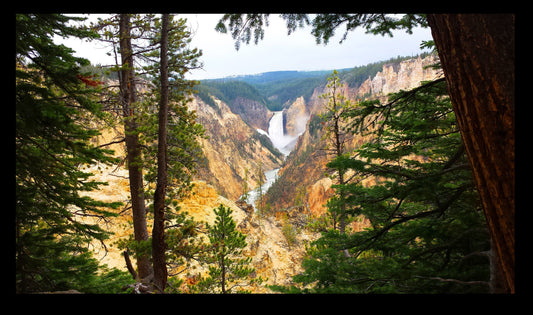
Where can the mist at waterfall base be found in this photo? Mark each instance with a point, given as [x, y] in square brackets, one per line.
[284, 143]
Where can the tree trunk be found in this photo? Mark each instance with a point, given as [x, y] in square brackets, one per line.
[128, 97]
[477, 56]
[129, 265]
[158, 233]
[222, 253]
[223, 276]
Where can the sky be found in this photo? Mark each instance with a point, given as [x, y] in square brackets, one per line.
[277, 51]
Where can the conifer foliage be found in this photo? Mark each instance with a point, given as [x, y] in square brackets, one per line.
[52, 147]
[427, 231]
[176, 150]
[229, 270]
[56, 105]
[477, 55]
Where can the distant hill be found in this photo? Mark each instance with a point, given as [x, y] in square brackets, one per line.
[273, 76]
[278, 89]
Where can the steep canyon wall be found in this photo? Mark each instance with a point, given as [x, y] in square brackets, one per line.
[302, 180]
[234, 151]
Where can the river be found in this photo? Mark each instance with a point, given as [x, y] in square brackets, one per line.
[284, 143]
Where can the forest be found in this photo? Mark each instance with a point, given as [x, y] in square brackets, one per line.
[277, 89]
[440, 212]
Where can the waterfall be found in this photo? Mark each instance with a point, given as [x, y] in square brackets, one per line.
[284, 143]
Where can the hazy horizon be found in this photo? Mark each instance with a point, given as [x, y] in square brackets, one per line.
[276, 52]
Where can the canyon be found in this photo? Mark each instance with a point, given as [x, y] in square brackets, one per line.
[249, 146]
[302, 176]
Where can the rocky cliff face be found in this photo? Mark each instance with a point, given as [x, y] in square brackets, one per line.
[296, 117]
[399, 76]
[252, 112]
[273, 256]
[303, 172]
[232, 149]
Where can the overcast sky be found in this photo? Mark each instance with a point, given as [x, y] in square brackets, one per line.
[277, 51]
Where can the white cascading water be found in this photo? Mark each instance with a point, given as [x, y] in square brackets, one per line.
[284, 143]
[279, 139]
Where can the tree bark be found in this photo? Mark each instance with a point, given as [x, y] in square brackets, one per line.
[158, 232]
[477, 56]
[128, 98]
[129, 265]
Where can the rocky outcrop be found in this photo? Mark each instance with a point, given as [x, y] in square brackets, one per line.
[399, 76]
[296, 117]
[317, 193]
[272, 255]
[232, 149]
[305, 168]
[252, 112]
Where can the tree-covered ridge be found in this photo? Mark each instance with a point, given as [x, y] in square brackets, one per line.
[281, 94]
[278, 89]
[229, 91]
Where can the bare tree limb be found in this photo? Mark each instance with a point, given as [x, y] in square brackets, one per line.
[455, 281]
[112, 142]
[129, 265]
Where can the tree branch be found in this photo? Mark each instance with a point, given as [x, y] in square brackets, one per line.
[129, 265]
[455, 281]
[439, 210]
[112, 142]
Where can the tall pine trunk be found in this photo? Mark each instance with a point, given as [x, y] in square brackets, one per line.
[477, 56]
[128, 98]
[158, 232]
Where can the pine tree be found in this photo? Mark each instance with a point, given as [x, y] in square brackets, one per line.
[128, 100]
[229, 270]
[481, 89]
[427, 232]
[260, 177]
[180, 151]
[158, 232]
[54, 107]
[336, 144]
[245, 189]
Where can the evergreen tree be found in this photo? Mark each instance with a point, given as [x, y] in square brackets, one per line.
[128, 101]
[427, 231]
[245, 188]
[336, 145]
[260, 178]
[181, 150]
[178, 150]
[55, 104]
[158, 232]
[229, 271]
[483, 44]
